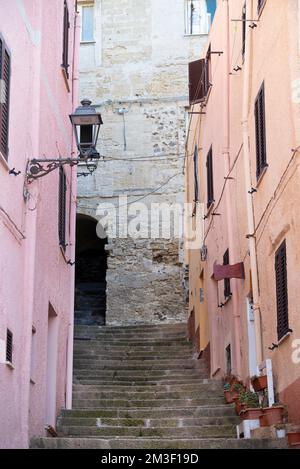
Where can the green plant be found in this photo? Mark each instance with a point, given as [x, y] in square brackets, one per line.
[227, 387]
[249, 398]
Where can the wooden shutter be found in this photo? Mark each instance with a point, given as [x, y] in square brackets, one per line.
[197, 81]
[5, 72]
[227, 290]
[260, 130]
[65, 57]
[210, 178]
[260, 4]
[244, 29]
[196, 177]
[62, 208]
[9, 346]
[281, 291]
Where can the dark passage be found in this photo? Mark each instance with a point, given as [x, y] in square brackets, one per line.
[90, 277]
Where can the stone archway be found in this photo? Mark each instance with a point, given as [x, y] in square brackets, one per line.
[90, 274]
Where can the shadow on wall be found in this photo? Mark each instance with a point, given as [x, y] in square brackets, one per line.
[90, 276]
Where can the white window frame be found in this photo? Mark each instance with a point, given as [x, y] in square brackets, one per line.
[201, 23]
[81, 6]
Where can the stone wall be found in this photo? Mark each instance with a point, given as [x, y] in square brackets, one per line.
[137, 74]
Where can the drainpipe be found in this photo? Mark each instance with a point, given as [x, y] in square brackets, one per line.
[237, 366]
[248, 186]
[75, 83]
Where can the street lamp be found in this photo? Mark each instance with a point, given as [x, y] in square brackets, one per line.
[86, 124]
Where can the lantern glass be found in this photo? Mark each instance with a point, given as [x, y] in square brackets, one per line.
[86, 123]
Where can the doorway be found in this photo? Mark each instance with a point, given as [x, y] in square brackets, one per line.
[251, 337]
[52, 343]
[90, 273]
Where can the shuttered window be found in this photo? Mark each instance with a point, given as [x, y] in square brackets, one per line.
[62, 208]
[210, 178]
[260, 131]
[197, 85]
[281, 291]
[5, 66]
[227, 290]
[9, 346]
[196, 176]
[244, 29]
[65, 56]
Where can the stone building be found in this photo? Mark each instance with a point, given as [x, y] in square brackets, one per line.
[133, 63]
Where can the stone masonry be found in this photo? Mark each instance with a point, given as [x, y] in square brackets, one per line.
[136, 71]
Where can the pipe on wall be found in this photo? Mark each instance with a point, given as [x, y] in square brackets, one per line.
[248, 186]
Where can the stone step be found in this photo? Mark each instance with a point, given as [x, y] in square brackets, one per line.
[129, 384]
[134, 342]
[209, 431]
[133, 356]
[146, 374]
[147, 423]
[152, 413]
[146, 443]
[162, 363]
[145, 395]
[157, 388]
[145, 327]
[125, 403]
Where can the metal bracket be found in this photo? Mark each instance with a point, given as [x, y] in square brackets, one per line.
[38, 168]
[14, 172]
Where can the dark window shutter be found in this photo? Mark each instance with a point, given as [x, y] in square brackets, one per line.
[260, 131]
[210, 178]
[62, 208]
[227, 290]
[9, 346]
[244, 29]
[5, 72]
[197, 81]
[281, 291]
[65, 57]
[260, 4]
[196, 177]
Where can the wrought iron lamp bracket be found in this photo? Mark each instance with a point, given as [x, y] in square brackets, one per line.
[38, 168]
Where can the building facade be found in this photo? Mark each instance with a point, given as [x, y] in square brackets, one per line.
[133, 60]
[247, 170]
[37, 218]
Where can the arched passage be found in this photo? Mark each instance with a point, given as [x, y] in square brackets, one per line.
[90, 276]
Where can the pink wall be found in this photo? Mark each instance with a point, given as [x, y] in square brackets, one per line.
[33, 268]
[274, 57]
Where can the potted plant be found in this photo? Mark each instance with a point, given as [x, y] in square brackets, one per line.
[259, 383]
[232, 389]
[252, 410]
[272, 415]
[280, 430]
[294, 438]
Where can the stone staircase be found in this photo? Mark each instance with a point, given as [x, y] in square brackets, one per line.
[141, 387]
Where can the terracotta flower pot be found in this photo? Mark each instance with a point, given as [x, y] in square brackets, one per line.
[263, 421]
[228, 397]
[272, 416]
[251, 414]
[294, 439]
[259, 383]
[239, 407]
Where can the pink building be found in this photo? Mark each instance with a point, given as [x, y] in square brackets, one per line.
[38, 71]
[246, 165]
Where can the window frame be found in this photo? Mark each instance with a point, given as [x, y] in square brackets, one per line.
[210, 178]
[66, 37]
[9, 347]
[260, 132]
[227, 286]
[196, 174]
[281, 281]
[82, 7]
[62, 208]
[5, 51]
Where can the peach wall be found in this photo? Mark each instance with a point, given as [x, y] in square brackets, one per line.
[274, 59]
[33, 269]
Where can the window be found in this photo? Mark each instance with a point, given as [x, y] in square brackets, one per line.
[62, 208]
[199, 16]
[199, 79]
[66, 27]
[244, 29]
[228, 359]
[227, 290]
[87, 23]
[260, 4]
[210, 178]
[260, 131]
[196, 175]
[281, 291]
[9, 346]
[5, 70]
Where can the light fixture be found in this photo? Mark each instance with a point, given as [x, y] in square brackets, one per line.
[86, 125]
